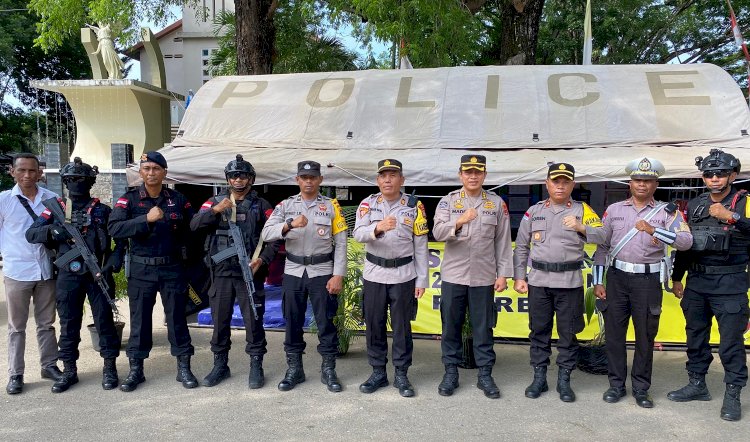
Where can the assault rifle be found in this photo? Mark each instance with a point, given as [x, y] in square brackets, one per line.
[80, 250]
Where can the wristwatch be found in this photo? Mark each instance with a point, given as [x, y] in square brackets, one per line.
[289, 223]
[735, 217]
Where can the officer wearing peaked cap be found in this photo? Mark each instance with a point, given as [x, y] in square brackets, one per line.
[393, 228]
[717, 283]
[550, 240]
[475, 225]
[155, 220]
[315, 233]
[636, 232]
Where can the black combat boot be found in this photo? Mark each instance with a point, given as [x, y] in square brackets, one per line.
[563, 385]
[184, 374]
[450, 380]
[328, 374]
[377, 379]
[539, 384]
[15, 384]
[256, 379]
[219, 372]
[695, 390]
[295, 374]
[401, 381]
[69, 377]
[731, 409]
[486, 383]
[109, 374]
[135, 376]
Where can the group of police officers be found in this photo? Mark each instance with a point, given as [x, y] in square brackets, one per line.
[153, 223]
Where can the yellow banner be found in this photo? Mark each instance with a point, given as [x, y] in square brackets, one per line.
[513, 318]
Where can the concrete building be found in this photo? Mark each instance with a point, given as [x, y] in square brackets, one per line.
[186, 46]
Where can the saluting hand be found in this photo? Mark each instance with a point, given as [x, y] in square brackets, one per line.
[718, 211]
[467, 217]
[645, 226]
[571, 222]
[154, 215]
[600, 292]
[299, 221]
[223, 205]
[386, 224]
[521, 286]
[678, 289]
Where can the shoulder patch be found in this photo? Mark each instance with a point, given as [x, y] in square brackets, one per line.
[122, 203]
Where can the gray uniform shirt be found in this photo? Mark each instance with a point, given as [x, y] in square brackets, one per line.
[480, 252]
[542, 237]
[409, 238]
[325, 232]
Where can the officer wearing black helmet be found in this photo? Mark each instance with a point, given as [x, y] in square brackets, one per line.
[226, 276]
[156, 221]
[717, 282]
[74, 281]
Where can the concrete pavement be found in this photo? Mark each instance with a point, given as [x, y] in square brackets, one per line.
[162, 409]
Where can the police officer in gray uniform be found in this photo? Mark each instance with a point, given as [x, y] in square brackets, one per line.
[551, 238]
[475, 225]
[393, 228]
[315, 234]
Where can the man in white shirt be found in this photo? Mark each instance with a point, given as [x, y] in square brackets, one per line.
[28, 272]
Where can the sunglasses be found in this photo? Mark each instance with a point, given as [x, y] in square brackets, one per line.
[74, 179]
[236, 175]
[717, 173]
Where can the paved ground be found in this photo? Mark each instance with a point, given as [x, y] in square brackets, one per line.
[161, 409]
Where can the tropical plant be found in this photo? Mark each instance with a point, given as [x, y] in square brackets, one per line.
[349, 317]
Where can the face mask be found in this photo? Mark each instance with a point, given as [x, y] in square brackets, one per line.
[79, 188]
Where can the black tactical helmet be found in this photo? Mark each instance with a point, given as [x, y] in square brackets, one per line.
[78, 168]
[239, 165]
[718, 160]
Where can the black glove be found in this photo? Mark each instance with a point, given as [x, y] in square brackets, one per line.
[113, 264]
[59, 234]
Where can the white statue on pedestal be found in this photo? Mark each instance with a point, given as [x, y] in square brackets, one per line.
[106, 47]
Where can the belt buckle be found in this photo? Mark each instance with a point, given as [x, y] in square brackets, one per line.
[390, 263]
[628, 267]
[307, 260]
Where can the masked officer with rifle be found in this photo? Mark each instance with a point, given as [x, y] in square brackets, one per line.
[717, 282]
[77, 230]
[233, 222]
[156, 221]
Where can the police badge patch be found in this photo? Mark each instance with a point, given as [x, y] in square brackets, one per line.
[75, 266]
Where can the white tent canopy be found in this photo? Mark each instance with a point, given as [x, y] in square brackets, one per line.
[596, 117]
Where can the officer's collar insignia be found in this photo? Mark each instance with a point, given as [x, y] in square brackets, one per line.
[547, 203]
[644, 165]
[142, 192]
[463, 194]
[380, 199]
[568, 204]
[403, 202]
[484, 195]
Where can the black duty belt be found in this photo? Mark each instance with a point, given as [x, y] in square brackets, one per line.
[155, 260]
[310, 260]
[389, 263]
[718, 270]
[556, 266]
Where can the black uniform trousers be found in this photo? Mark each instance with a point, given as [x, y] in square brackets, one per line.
[454, 300]
[224, 290]
[142, 297]
[71, 295]
[544, 304]
[378, 298]
[638, 296]
[731, 312]
[295, 292]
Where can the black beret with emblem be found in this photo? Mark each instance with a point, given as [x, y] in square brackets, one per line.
[309, 168]
[564, 170]
[389, 164]
[478, 162]
[154, 157]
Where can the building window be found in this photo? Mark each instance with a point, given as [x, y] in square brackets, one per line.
[205, 59]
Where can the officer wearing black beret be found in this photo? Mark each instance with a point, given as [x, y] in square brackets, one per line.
[155, 220]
